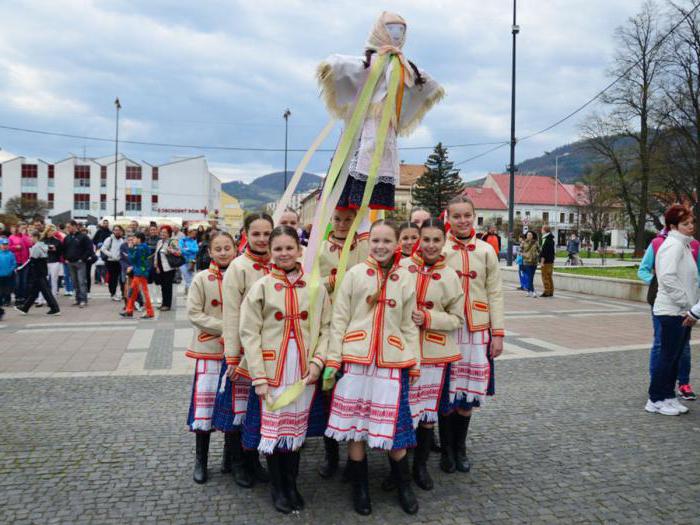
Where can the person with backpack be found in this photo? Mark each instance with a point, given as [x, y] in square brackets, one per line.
[646, 273]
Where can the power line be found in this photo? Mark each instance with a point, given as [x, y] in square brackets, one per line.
[210, 147]
[483, 153]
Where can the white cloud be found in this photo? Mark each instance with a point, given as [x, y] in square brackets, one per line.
[240, 172]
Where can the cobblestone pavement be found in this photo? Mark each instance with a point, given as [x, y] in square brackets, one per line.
[565, 440]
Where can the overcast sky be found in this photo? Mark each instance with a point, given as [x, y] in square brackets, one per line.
[222, 73]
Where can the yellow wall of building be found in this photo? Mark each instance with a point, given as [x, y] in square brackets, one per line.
[231, 212]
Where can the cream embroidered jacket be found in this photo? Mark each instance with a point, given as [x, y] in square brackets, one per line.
[204, 310]
[243, 272]
[330, 255]
[476, 265]
[383, 333]
[439, 296]
[274, 311]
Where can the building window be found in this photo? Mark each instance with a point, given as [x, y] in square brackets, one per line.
[154, 173]
[571, 218]
[545, 216]
[562, 218]
[29, 197]
[480, 221]
[50, 201]
[103, 176]
[51, 171]
[29, 174]
[154, 199]
[133, 203]
[81, 178]
[103, 201]
[517, 214]
[527, 214]
[133, 173]
[81, 201]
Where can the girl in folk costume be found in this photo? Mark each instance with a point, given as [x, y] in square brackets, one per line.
[438, 314]
[342, 78]
[204, 311]
[409, 233]
[232, 396]
[373, 335]
[479, 340]
[328, 265]
[333, 246]
[285, 349]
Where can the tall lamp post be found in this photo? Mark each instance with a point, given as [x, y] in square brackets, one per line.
[118, 106]
[286, 116]
[556, 192]
[515, 29]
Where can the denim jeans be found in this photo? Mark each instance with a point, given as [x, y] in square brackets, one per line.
[673, 336]
[521, 275]
[78, 274]
[530, 270]
[67, 281]
[683, 364]
[22, 283]
[187, 274]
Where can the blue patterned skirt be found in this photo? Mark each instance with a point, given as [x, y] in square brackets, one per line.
[223, 405]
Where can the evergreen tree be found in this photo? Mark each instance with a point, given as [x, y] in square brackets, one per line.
[440, 183]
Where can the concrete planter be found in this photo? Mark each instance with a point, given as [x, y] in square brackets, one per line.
[601, 286]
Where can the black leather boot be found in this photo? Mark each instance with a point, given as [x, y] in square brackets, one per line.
[407, 499]
[329, 465]
[241, 471]
[291, 473]
[421, 475]
[256, 469]
[447, 454]
[434, 445]
[279, 498]
[360, 486]
[227, 458]
[201, 456]
[460, 428]
[391, 481]
[346, 476]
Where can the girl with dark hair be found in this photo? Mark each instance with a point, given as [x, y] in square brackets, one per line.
[531, 255]
[232, 396]
[438, 313]
[283, 345]
[374, 338]
[409, 233]
[204, 310]
[167, 251]
[470, 379]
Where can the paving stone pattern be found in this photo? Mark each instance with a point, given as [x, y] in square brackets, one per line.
[565, 441]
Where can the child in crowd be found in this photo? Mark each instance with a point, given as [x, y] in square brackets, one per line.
[8, 263]
[139, 266]
[38, 273]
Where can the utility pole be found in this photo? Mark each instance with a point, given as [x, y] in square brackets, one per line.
[515, 29]
[286, 115]
[118, 106]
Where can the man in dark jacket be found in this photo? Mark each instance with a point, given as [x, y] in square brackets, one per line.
[102, 234]
[77, 250]
[547, 254]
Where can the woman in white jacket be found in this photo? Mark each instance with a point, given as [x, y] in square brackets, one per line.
[110, 252]
[677, 275]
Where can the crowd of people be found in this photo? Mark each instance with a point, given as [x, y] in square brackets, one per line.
[138, 264]
[406, 340]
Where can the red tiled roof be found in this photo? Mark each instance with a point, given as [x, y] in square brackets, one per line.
[485, 198]
[534, 189]
[410, 173]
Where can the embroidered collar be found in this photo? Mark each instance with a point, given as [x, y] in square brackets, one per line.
[218, 272]
[417, 258]
[373, 263]
[462, 243]
[279, 273]
[260, 259]
[337, 244]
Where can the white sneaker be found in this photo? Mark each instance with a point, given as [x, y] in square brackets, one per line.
[116, 299]
[674, 402]
[661, 407]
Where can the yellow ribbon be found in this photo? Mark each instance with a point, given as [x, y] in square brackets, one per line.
[387, 114]
[287, 397]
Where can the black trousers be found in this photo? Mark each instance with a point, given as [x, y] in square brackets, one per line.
[114, 271]
[166, 287]
[39, 284]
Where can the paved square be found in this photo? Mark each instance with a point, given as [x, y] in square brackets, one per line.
[94, 428]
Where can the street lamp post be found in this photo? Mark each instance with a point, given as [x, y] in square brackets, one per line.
[515, 29]
[286, 116]
[556, 192]
[118, 106]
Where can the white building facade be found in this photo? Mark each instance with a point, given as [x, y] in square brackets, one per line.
[83, 188]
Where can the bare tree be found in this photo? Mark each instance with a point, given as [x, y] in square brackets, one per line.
[26, 209]
[636, 103]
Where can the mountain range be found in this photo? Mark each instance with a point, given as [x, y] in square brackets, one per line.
[268, 188]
